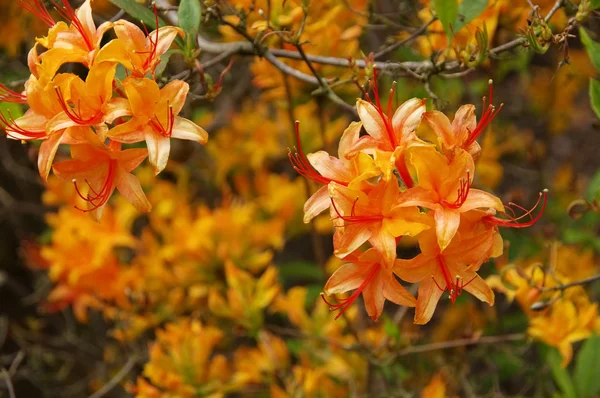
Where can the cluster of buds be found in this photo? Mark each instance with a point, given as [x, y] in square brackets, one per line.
[97, 115]
[390, 183]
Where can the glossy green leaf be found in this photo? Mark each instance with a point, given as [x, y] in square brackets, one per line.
[468, 10]
[446, 11]
[139, 12]
[595, 96]
[190, 14]
[592, 47]
[587, 364]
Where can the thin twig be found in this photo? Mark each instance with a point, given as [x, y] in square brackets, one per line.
[9, 385]
[112, 383]
[401, 43]
[572, 284]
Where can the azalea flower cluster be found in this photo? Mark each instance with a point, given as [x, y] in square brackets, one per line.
[390, 183]
[100, 113]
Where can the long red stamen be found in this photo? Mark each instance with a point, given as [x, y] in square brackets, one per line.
[462, 194]
[38, 9]
[68, 13]
[387, 119]
[8, 95]
[153, 43]
[354, 219]
[99, 198]
[303, 167]
[486, 118]
[159, 128]
[72, 112]
[343, 304]
[515, 222]
[455, 288]
[10, 125]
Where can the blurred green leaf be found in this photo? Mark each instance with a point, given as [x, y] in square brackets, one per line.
[190, 13]
[595, 4]
[293, 272]
[592, 47]
[468, 10]
[446, 11]
[561, 375]
[587, 364]
[391, 329]
[593, 188]
[595, 96]
[15, 110]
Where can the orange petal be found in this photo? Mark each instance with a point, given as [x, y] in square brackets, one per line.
[385, 244]
[185, 129]
[416, 269]
[316, 204]
[407, 118]
[441, 126]
[373, 296]
[143, 95]
[428, 296]
[47, 152]
[351, 239]
[478, 199]
[348, 277]
[447, 222]
[349, 138]
[158, 150]
[478, 288]
[395, 292]
[371, 120]
[464, 122]
[175, 93]
[329, 166]
[129, 186]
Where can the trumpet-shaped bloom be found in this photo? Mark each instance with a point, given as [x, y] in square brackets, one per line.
[366, 274]
[375, 217]
[388, 135]
[104, 168]
[445, 188]
[322, 168]
[136, 50]
[154, 118]
[464, 130]
[452, 270]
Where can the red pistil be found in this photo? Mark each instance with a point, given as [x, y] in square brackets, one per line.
[68, 13]
[71, 111]
[301, 164]
[38, 9]
[354, 219]
[462, 194]
[486, 118]
[8, 95]
[10, 124]
[159, 128]
[343, 304]
[99, 198]
[455, 288]
[512, 221]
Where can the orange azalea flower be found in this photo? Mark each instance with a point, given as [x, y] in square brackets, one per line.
[136, 50]
[445, 188]
[388, 135]
[453, 270]
[374, 216]
[154, 118]
[322, 168]
[366, 273]
[77, 42]
[104, 168]
[464, 130]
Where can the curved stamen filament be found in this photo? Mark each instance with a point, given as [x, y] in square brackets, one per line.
[343, 304]
[462, 193]
[159, 128]
[386, 119]
[67, 12]
[514, 221]
[71, 111]
[303, 167]
[454, 287]
[153, 43]
[38, 9]
[354, 219]
[8, 95]
[11, 125]
[98, 198]
[486, 118]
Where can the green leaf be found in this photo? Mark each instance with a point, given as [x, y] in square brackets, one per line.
[446, 11]
[587, 364]
[595, 96]
[560, 374]
[592, 47]
[139, 12]
[468, 10]
[295, 271]
[595, 4]
[190, 13]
